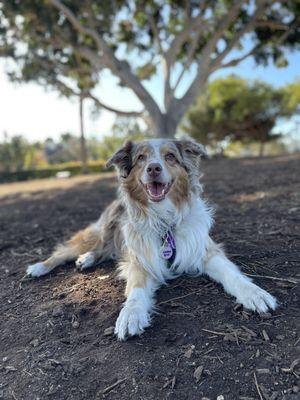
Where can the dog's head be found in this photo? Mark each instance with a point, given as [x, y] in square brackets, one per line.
[155, 169]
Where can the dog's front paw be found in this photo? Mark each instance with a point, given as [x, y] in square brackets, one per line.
[38, 269]
[132, 320]
[256, 299]
[86, 260]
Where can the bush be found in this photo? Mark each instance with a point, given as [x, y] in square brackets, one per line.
[73, 167]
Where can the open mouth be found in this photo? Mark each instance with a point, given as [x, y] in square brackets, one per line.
[157, 190]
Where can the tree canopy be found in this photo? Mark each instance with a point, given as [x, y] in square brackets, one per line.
[235, 109]
[183, 42]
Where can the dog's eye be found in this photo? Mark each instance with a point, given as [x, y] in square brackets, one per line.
[170, 157]
[141, 157]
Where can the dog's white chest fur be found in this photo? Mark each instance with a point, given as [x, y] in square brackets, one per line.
[191, 237]
[190, 228]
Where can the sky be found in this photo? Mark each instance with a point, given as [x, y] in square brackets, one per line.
[36, 113]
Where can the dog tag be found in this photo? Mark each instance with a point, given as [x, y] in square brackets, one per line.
[170, 239]
[166, 251]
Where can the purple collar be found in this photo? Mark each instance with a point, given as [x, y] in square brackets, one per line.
[168, 248]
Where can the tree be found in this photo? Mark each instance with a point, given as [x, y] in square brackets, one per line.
[16, 154]
[124, 128]
[235, 109]
[72, 77]
[182, 41]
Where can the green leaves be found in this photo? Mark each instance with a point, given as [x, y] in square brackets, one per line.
[236, 109]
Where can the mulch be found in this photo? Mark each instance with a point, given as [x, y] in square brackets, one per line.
[56, 338]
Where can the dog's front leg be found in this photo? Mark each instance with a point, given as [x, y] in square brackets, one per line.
[135, 315]
[221, 269]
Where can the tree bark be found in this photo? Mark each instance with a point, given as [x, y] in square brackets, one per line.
[261, 149]
[83, 150]
[165, 125]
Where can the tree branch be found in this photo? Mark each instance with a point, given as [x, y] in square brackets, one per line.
[272, 25]
[235, 40]
[88, 95]
[262, 5]
[190, 25]
[165, 65]
[204, 63]
[109, 60]
[188, 61]
[155, 33]
[112, 109]
[222, 26]
[77, 25]
[237, 60]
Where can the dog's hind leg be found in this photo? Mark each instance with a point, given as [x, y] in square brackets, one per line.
[80, 243]
[110, 238]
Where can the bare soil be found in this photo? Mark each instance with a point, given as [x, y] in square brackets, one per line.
[56, 341]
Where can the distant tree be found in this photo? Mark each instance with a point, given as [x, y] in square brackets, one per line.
[67, 148]
[123, 129]
[181, 41]
[17, 154]
[234, 109]
[72, 77]
[291, 98]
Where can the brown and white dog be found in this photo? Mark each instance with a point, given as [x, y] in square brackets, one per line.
[157, 229]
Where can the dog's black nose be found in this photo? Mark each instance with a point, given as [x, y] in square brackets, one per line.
[154, 170]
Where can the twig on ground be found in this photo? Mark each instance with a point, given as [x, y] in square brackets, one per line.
[290, 280]
[110, 387]
[214, 332]
[297, 341]
[177, 298]
[257, 387]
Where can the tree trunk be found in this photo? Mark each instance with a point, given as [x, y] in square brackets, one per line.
[83, 150]
[165, 125]
[261, 149]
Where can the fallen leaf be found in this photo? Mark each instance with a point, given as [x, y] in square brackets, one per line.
[198, 373]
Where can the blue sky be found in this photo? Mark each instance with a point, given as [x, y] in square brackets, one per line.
[30, 110]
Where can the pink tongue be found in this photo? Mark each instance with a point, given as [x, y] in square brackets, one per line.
[156, 188]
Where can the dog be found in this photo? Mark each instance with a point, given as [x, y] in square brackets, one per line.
[157, 229]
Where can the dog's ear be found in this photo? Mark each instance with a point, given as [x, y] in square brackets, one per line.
[190, 150]
[122, 159]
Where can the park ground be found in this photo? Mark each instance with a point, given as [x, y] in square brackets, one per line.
[55, 332]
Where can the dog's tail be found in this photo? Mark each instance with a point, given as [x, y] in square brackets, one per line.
[82, 242]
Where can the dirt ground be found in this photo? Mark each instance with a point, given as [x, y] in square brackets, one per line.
[56, 341]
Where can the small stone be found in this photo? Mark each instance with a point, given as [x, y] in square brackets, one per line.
[279, 337]
[34, 342]
[109, 331]
[75, 324]
[220, 397]
[266, 315]
[228, 337]
[189, 352]
[4, 359]
[295, 389]
[57, 311]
